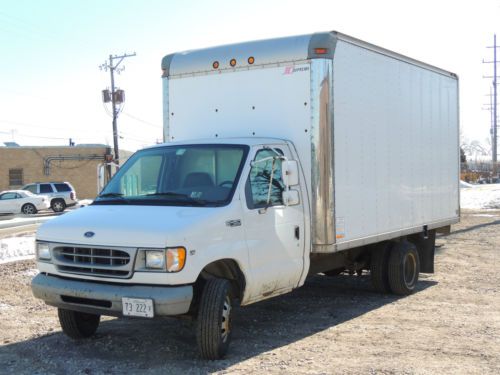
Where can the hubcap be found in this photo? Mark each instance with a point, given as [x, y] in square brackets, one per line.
[410, 269]
[226, 319]
[58, 206]
[28, 210]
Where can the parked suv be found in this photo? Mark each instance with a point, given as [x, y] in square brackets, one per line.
[61, 194]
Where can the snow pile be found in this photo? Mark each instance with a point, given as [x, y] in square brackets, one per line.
[480, 197]
[465, 185]
[17, 248]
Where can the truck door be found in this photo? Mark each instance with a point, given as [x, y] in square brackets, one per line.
[274, 232]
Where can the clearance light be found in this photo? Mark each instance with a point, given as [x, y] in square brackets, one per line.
[321, 51]
[215, 65]
[251, 60]
[232, 62]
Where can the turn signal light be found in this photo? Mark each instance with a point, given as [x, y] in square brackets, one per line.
[176, 258]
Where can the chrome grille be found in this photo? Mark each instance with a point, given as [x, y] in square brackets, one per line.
[93, 261]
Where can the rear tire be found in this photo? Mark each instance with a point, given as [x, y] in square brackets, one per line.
[58, 205]
[404, 267]
[379, 267]
[334, 272]
[29, 209]
[78, 325]
[214, 319]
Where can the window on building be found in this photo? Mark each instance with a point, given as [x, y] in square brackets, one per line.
[15, 177]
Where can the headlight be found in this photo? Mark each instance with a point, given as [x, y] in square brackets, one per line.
[176, 258]
[43, 251]
[155, 259]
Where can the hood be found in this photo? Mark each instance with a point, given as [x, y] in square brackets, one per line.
[132, 226]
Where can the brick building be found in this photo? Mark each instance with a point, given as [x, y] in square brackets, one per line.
[77, 165]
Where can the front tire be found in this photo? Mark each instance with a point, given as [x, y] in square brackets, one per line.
[29, 209]
[404, 267]
[214, 319]
[78, 325]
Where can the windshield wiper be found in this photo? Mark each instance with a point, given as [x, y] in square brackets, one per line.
[111, 195]
[173, 194]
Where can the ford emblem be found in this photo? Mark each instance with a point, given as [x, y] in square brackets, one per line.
[89, 234]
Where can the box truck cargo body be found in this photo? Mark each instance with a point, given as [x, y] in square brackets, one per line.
[282, 158]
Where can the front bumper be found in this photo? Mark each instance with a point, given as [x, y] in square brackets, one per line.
[106, 299]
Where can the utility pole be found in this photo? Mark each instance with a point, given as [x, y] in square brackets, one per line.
[116, 97]
[494, 105]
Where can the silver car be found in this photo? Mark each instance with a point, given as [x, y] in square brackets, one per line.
[61, 194]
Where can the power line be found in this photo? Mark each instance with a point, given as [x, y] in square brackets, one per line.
[141, 120]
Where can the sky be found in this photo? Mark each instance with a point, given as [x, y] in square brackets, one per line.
[51, 50]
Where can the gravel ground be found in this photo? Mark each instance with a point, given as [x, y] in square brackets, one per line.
[451, 325]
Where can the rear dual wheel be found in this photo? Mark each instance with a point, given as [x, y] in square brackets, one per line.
[395, 267]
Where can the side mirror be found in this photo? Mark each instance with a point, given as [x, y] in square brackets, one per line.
[291, 197]
[290, 171]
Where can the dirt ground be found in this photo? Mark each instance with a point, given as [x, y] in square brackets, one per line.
[339, 325]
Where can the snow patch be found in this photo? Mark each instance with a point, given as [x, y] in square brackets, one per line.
[480, 197]
[17, 248]
[4, 306]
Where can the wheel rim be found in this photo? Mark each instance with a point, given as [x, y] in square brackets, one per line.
[58, 206]
[410, 267]
[28, 210]
[226, 319]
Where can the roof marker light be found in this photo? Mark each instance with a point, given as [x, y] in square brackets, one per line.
[321, 51]
[232, 62]
[215, 64]
[251, 60]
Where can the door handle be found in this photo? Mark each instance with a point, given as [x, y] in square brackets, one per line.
[297, 232]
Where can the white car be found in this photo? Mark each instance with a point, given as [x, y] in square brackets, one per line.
[21, 201]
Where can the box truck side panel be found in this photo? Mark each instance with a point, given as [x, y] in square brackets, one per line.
[259, 102]
[395, 146]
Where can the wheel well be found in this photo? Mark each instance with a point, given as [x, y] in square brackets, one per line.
[224, 269]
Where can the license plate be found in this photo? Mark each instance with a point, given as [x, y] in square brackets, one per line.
[138, 307]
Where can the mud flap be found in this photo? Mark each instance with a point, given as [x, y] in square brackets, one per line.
[425, 247]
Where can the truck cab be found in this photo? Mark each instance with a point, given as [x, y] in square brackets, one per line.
[173, 218]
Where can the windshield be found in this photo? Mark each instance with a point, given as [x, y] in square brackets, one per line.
[192, 175]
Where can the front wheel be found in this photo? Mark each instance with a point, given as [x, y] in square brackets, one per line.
[29, 209]
[78, 325]
[214, 319]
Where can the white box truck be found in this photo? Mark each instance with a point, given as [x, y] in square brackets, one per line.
[282, 158]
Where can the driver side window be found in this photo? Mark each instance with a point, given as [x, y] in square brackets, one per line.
[265, 180]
